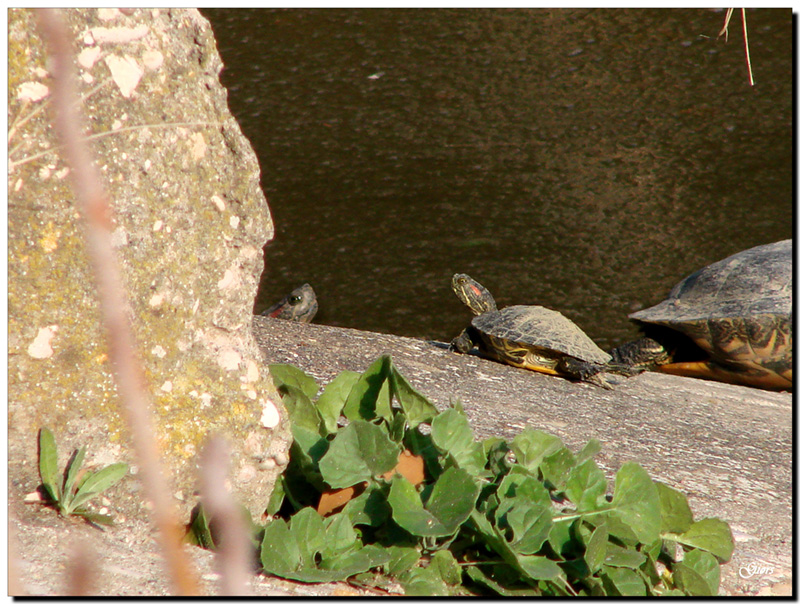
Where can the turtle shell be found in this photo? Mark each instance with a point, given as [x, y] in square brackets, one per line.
[738, 310]
[535, 328]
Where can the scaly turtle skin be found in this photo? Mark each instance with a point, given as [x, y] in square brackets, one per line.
[737, 310]
[530, 337]
[300, 305]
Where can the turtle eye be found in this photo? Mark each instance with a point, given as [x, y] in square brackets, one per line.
[295, 300]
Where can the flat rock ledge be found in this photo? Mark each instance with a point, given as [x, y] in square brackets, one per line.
[728, 448]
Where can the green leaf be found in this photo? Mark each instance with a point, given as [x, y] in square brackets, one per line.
[451, 433]
[453, 497]
[589, 450]
[691, 582]
[99, 481]
[442, 577]
[409, 513]
[636, 502]
[309, 533]
[623, 557]
[525, 505]
[586, 487]
[556, 467]
[302, 412]
[519, 485]
[93, 517]
[540, 568]
[289, 375]
[305, 453]
[73, 467]
[359, 452]
[276, 497]
[596, 548]
[280, 553]
[401, 559]
[562, 541]
[496, 450]
[618, 528]
[698, 574]
[532, 446]
[423, 582]
[416, 407]
[290, 551]
[370, 396]
[531, 524]
[532, 567]
[48, 464]
[626, 582]
[709, 534]
[370, 508]
[450, 504]
[199, 532]
[676, 516]
[355, 561]
[332, 400]
[446, 566]
[482, 577]
[340, 536]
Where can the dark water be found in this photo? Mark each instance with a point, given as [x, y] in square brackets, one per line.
[584, 160]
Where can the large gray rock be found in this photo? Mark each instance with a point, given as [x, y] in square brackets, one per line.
[189, 225]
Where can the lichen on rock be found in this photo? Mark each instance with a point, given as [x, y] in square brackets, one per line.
[190, 222]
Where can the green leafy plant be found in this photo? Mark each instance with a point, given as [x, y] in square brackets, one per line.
[71, 493]
[526, 517]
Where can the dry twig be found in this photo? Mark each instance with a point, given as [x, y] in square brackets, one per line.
[128, 373]
[233, 548]
[724, 31]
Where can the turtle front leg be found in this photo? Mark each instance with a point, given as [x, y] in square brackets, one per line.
[463, 343]
[584, 371]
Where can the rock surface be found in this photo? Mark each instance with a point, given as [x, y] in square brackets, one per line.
[728, 448]
[189, 225]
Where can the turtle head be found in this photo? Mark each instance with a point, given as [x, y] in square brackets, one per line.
[473, 294]
[300, 305]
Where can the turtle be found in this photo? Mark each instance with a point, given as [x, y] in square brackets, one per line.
[530, 337]
[730, 321]
[300, 305]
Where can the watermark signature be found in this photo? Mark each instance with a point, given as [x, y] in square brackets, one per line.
[754, 569]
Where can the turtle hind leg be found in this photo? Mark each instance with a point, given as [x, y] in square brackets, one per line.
[584, 371]
[639, 355]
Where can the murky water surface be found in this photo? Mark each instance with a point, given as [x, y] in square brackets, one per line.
[584, 160]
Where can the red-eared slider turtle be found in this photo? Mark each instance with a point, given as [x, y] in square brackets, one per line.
[737, 311]
[300, 305]
[531, 337]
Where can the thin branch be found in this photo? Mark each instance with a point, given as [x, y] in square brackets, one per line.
[129, 376]
[724, 29]
[81, 570]
[234, 551]
[747, 49]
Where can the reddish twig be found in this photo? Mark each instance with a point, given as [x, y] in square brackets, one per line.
[233, 543]
[112, 301]
[81, 571]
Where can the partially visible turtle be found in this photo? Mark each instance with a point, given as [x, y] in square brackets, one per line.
[738, 311]
[300, 305]
[531, 337]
